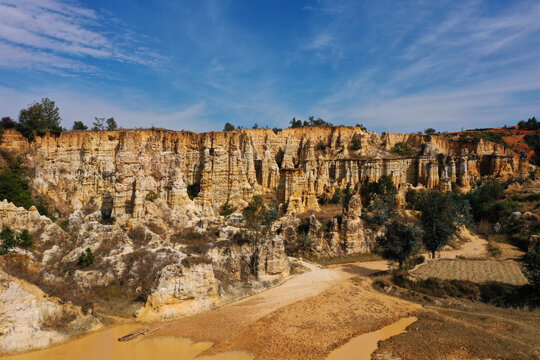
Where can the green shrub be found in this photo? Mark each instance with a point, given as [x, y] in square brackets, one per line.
[79, 125]
[24, 239]
[151, 196]
[336, 198]
[311, 122]
[346, 197]
[377, 213]
[7, 236]
[228, 127]
[498, 294]
[362, 127]
[403, 150]
[193, 235]
[86, 258]
[382, 190]
[305, 242]
[356, 143]
[412, 262]
[474, 137]
[321, 146]
[533, 140]
[531, 267]
[14, 186]
[484, 197]
[226, 210]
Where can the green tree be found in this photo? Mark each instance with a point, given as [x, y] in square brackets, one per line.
[362, 127]
[99, 124]
[226, 209]
[400, 242]
[533, 140]
[228, 127]
[86, 258]
[377, 212]
[38, 119]
[442, 214]
[79, 125]
[383, 190]
[336, 198]
[530, 124]
[430, 131]
[258, 219]
[7, 236]
[295, 123]
[24, 239]
[111, 124]
[531, 267]
[7, 122]
[483, 199]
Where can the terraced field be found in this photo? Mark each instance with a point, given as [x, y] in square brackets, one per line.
[479, 271]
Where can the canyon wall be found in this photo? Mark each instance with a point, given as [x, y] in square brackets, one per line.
[115, 170]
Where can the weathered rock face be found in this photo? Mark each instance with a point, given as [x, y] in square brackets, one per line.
[184, 289]
[115, 171]
[30, 319]
[181, 291]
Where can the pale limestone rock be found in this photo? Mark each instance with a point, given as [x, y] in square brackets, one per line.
[181, 291]
[18, 218]
[25, 311]
[116, 170]
[271, 262]
[353, 230]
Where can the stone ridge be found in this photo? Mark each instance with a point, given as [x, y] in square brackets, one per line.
[115, 170]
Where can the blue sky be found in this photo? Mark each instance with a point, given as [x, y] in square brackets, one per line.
[395, 66]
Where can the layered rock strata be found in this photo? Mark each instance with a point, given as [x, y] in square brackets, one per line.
[115, 170]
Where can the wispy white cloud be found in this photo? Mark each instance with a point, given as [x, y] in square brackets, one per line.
[461, 67]
[320, 41]
[60, 36]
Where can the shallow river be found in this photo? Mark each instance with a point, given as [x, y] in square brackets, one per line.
[103, 345]
[361, 347]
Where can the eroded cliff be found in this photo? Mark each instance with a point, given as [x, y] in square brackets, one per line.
[146, 203]
[115, 171]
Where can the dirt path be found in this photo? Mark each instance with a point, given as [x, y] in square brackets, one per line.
[474, 247]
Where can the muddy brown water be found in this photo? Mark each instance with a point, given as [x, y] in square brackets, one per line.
[361, 347]
[103, 345]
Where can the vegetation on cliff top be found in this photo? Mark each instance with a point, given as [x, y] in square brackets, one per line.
[38, 119]
[310, 122]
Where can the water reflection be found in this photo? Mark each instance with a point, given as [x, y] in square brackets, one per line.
[103, 345]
